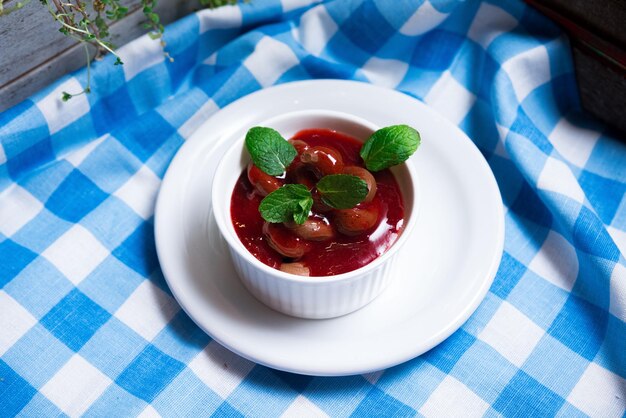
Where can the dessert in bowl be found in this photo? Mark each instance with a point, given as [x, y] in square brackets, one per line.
[317, 237]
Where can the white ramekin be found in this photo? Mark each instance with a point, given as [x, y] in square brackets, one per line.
[309, 297]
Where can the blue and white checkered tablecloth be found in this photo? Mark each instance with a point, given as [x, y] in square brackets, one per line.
[88, 325]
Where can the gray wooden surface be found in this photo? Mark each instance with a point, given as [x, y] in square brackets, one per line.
[33, 53]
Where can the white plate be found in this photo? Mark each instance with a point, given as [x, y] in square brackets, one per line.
[443, 271]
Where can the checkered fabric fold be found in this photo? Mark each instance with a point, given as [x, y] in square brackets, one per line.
[88, 325]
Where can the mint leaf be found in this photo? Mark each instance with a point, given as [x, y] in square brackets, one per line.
[292, 202]
[342, 191]
[389, 146]
[269, 150]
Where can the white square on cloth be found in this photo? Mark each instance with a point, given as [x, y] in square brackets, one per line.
[59, 114]
[574, 143]
[511, 334]
[3, 156]
[599, 393]
[76, 386]
[557, 177]
[317, 27]
[225, 17]
[385, 72]
[489, 23]
[139, 55]
[76, 253]
[269, 50]
[450, 98]
[140, 192]
[556, 261]
[15, 321]
[17, 209]
[528, 70]
[289, 5]
[617, 305]
[423, 19]
[220, 369]
[453, 399]
[301, 407]
[148, 310]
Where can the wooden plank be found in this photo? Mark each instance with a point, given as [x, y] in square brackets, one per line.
[30, 61]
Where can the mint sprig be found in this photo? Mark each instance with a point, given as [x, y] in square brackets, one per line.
[269, 150]
[342, 191]
[389, 146]
[292, 202]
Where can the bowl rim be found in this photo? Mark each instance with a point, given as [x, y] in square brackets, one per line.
[235, 243]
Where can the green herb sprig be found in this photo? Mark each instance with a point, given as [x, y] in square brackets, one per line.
[91, 25]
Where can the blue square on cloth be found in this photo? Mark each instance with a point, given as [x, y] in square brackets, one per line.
[525, 127]
[41, 231]
[75, 319]
[114, 109]
[236, 83]
[112, 222]
[182, 339]
[227, 410]
[581, 326]
[523, 238]
[531, 296]
[591, 236]
[605, 160]
[523, 393]
[110, 284]
[14, 259]
[39, 406]
[120, 165]
[145, 134]
[37, 356]
[446, 354]
[22, 126]
[149, 373]
[113, 347]
[15, 392]
[411, 383]
[78, 133]
[436, 50]
[557, 94]
[39, 287]
[138, 251]
[605, 194]
[555, 366]
[482, 315]
[611, 354]
[254, 387]
[43, 183]
[484, 370]
[509, 274]
[297, 382]
[116, 402]
[530, 206]
[160, 160]
[148, 89]
[198, 401]
[480, 128]
[378, 403]
[184, 50]
[356, 386]
[321, 68]
[372, 40]
[30, 159]
[75, 197]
